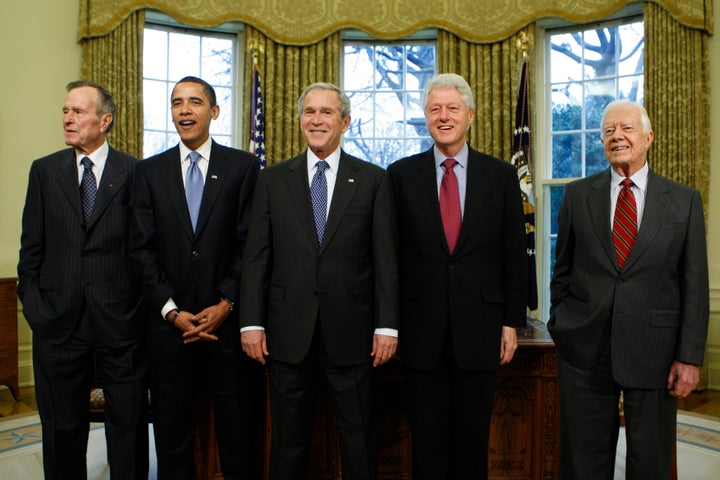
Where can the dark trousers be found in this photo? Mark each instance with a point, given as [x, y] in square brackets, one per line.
[293, 393]
[233, 382]
[589, 425]
[450, 413]
[63, 376]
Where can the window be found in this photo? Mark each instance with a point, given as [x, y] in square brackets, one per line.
[385, 84]
[585, 69]
[171, 53]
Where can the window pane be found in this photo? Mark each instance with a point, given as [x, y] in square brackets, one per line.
[358, 67]
[389, 64]
[155, 54]
[155, 105]
[565, 58]
[632, 48]
[631, 88]
[567, 156]
[599, 94]
[184, 56]
[599, 53]
[217, 60]
[363, 113]
[595, 160]
[566, 112]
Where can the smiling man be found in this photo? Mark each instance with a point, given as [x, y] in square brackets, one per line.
[629, 305]
[463, 277]
[189, 224]
[319, 292]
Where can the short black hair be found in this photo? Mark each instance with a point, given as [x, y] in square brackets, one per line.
[207, 88]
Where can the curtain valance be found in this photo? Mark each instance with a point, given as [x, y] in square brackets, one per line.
[303, 22]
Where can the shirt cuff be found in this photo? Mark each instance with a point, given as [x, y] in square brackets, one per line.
[390, 332]
[168, 307]
[251, 328]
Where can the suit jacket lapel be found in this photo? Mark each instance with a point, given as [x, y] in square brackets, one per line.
[297, 182]
[427, 196]
[657, 202]
[175, 188]
[345, 187]
[598, 204]
[69, 184]
[113, 178]
[476, 188]
[214, 181]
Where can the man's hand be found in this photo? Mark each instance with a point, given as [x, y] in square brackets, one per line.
[384, 347]
[508, 344]
[683, 378]
[206, 322]
[254, 345]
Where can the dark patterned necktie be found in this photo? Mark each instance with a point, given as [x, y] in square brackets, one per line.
[194, 188]
[88, 188]
[318, 195]
[450, 204]
[625, 228]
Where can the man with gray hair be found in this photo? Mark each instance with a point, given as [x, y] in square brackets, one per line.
[463, 278]
[319, 296]
[629, 305]
[80, 296]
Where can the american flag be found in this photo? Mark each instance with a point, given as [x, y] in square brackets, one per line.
[257, 129]
[522, 159]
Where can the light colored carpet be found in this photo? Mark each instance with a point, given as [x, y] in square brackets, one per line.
[698, 449]
[21, 450]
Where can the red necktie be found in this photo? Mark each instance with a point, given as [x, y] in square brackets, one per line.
[450, 204]
[625, 228]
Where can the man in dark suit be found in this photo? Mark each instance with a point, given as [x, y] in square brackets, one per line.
[79, 295]
[319, 292]
[463, 277]
[630, 316]
[187, 241]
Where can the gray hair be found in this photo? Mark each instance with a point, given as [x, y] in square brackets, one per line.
[644, 117]
[450, 80]
[342, 98]
[105, 102]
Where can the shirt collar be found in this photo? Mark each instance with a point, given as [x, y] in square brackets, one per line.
[333, 160]
[203, 150]
[640, 178]
[98, 157]
[461, 157]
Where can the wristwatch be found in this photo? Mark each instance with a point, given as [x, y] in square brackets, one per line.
[229, 302]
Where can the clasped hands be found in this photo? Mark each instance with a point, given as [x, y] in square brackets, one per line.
[200, 326]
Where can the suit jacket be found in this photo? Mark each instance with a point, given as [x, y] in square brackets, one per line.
[66, 266]
[349, 283]
[479, 288]
[197, 268]
[653, 311]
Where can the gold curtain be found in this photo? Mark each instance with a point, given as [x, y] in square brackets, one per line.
[493, 72]
[302, 23]
[285, 71]
[677, 85]
[115, 62]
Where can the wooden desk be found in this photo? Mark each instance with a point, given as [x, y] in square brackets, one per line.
[524, 438]
[8, 335]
